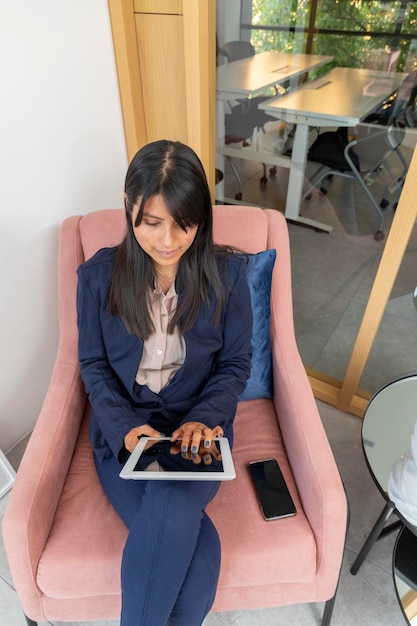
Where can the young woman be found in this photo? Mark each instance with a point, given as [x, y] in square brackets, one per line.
[165, 328]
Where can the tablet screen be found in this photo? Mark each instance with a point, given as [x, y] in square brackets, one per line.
[162, 459]
[170, 458]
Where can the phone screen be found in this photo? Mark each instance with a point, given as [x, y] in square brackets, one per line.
[272, 492]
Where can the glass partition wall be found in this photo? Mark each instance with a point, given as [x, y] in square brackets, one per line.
[355, 319]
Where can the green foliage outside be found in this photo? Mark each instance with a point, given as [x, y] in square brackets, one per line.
[363, 16]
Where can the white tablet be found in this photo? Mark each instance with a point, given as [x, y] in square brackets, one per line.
[214, 463]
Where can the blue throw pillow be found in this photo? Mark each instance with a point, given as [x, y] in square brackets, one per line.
[259, 273]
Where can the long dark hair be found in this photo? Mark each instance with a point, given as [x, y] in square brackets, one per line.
[172, 170]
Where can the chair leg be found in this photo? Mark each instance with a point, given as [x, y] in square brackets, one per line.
[329, 606]
[328, 611]
[264, 177]
[363, 183]
[238, 196]
[315, 179]
[373, 536]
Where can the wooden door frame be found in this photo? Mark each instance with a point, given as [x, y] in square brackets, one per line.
[122, 19]
[199, 19]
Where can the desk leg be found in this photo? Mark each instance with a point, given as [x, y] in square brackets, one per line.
[296, 181]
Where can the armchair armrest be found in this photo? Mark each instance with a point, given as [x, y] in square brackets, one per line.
[41, 477]
[308, 450]
[43, 470]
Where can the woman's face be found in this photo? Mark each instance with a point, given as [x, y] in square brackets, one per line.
[161, 237]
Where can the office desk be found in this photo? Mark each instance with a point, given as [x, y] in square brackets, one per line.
[249, 76]
[343, 97]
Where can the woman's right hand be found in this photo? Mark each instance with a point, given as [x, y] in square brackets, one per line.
[133, 435]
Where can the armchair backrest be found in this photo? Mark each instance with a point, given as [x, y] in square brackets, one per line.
[243, 227]
[247, 228]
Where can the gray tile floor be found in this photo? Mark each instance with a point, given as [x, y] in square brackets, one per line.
[368, 598]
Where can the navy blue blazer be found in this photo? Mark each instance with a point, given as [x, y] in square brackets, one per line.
[204, 389]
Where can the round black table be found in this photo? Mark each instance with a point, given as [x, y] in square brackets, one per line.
[387, 427]
[404, 563]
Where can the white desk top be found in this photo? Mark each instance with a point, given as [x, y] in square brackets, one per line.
[343, 96]
[261, 71]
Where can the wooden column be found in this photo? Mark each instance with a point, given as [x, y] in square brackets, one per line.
[166, 62]
[200, 69]
[122, 19]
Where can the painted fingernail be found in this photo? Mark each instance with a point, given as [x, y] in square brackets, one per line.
[194, 449]
[207, 459]
[207, 444]
[184, 448]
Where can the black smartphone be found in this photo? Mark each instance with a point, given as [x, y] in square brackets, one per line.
[272, 492]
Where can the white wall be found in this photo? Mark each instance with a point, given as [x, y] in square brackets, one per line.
[62, 152]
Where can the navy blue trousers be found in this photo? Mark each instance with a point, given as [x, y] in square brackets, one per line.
[171, 560]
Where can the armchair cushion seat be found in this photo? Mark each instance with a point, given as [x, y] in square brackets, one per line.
[246, 536]
[83, 559]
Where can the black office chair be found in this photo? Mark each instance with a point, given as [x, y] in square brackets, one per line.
[400, 107]
[245, 117]
[235, 50]
[365, 157]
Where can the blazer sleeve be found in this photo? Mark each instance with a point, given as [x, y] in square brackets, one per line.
[111, 407]
[218, 401]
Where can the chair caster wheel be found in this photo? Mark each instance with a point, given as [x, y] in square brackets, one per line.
[273, 171]
[379, 235]
[384, 203]
[308, 196]
[323, 190]
[263, 180]
[238, 196]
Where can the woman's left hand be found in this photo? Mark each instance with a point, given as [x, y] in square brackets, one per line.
[193, 434]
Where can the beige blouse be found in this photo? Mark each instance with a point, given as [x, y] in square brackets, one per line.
[163, 354]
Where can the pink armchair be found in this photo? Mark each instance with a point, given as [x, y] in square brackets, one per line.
[64, 540]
